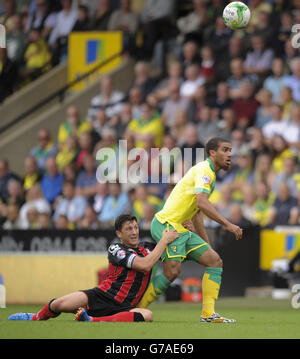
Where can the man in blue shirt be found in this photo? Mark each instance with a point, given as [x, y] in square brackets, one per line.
[52, 181]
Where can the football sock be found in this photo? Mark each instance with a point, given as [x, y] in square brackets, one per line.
[120, 317]
[210, 289]
[155, 289]
[45, 313]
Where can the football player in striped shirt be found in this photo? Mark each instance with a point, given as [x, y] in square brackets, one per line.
[186, 205]
[115, 299]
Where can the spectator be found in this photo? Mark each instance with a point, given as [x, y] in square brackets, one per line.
[13, 219]
[32, 218]
[245, 106]
[44, 149]
[143, 79]
[34, 199]
[89, 220]
[286, 100]
[192, 144]
[43, 19]
[97, 200]
[284, 210]
[263, 113]
[258, 61]
[115, 204]
[67, 154]
[83, 22]
[143, 196]
[227, 123]
[206, 126]
[207, 64]
[156, 19]
[16, 41]
[288, 175]
[256, 7]
[177, 130]
[192, 25]
[72, 126]
[100, 23]
[120, 123]
[5, 176]
[263, 203]
[8, 75]
[236, 78]
[256, 142]
[280, 150]
[136, 101]
[190, 55]
[236, 216]
[162, 90]
[276, 125]
[127, 21]
[149, 123]
[247, 206]
[238, 142]
[70, 172]
[149, 212]
[62, 222]
[263, 169]
[109, 99]
[222, 100]
[265, 29]
[32, 173]
[86, 184]
[52, 181]
[85, 147]
[242, 173]
[37, 56]
[174, 104]
[15, 193]
[70, 205]
[8, 15]
[58, 39]
[291, 131]
[44, 221]
[275, 81]
[224, 200]
[193, 80]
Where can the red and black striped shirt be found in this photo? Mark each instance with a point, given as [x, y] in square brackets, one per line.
[124, 284]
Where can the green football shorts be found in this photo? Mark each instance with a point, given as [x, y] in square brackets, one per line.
[188, 246]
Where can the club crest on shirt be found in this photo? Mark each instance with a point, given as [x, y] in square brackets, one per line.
[206, 179]
[121, 254]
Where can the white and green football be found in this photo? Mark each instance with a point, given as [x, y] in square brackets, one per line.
[236, 15]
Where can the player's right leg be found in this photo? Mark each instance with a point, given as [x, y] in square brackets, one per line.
[172, 258]
[133, 315]
[67, 304]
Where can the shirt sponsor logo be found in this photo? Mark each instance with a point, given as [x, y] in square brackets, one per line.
[121, 254]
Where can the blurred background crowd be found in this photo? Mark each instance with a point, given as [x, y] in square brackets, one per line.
[193, 79]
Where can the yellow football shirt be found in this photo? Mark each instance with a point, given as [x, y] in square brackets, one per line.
[181, 205]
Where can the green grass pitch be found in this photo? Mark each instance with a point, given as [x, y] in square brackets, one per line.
[257, 318]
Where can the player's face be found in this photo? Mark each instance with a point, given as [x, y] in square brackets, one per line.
[129, 234]
[223, 156]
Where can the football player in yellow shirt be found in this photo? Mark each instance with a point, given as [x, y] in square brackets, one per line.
[184, 208]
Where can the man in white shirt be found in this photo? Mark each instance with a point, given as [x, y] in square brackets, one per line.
[277, 125]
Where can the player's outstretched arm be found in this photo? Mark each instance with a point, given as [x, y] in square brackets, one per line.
[145, 264]
[209, 210]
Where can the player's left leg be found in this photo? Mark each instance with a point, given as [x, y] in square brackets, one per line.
[68, 304]
[203, 254]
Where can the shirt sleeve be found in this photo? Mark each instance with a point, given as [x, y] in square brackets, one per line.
[121, 256]
[203, 182]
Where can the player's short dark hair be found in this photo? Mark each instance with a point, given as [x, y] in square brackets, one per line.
[122, 219]
[213, 144]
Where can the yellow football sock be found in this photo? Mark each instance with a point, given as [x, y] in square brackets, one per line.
[210, 290]
[155, 289]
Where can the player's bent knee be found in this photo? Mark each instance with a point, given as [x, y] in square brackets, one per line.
[210, 258]
[172, 270]
[148, 315]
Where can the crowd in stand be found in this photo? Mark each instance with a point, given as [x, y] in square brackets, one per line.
[242, 85]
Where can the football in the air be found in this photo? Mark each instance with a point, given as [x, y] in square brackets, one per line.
[236, 15]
